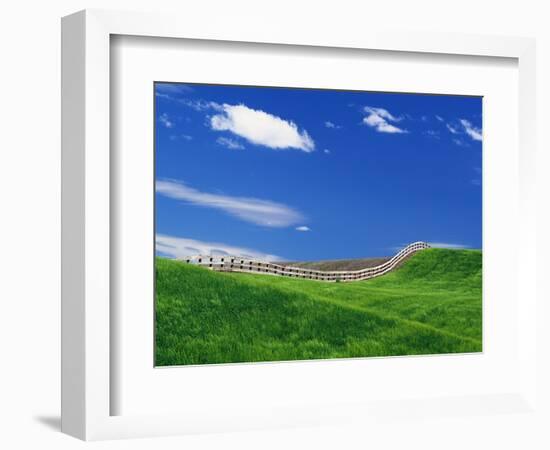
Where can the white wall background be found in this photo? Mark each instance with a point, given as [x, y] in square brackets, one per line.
[29, 229]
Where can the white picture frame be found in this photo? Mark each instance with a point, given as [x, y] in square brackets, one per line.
[86, 220]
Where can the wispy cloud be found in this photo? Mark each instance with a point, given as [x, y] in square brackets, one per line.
[473, 132]
[176, 247]
[303, 228]
[200, 105]
[172, 88]
[433, 133]
[185, 137]
[464, 127]
[163, 95]
[448, 245]
[326, 151]
[380, 118]
[257, 211]
[452, 129]
[229, 143]
[165, 120]
[332, 125]
[460, 142]
[439, 118]
[261, 128]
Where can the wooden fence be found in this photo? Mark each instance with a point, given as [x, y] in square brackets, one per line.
[239, 264]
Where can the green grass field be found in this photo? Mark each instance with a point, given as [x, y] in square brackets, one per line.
[431, 304]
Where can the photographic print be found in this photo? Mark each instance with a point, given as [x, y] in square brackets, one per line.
[301, 223]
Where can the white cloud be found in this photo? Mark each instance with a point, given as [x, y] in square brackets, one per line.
[332, 125]
[200, 105]
[229, 143]
[261, 128]
[303, 228]
[176, 247]
[166, 89]
[379, 118]
[439, 118]
[447, 245]
[326, 151]
[452, 129]
[473, 132]
[165, 120]
[260, 212]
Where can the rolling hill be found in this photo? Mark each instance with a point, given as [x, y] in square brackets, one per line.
[431, 304]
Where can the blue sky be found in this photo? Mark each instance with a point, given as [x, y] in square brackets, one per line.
[307, 174]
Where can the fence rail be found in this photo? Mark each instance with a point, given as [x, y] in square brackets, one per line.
[239, 264]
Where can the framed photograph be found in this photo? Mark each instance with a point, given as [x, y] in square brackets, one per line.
[265, 229]
[271, 246]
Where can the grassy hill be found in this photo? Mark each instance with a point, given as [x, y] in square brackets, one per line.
[431, 304]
